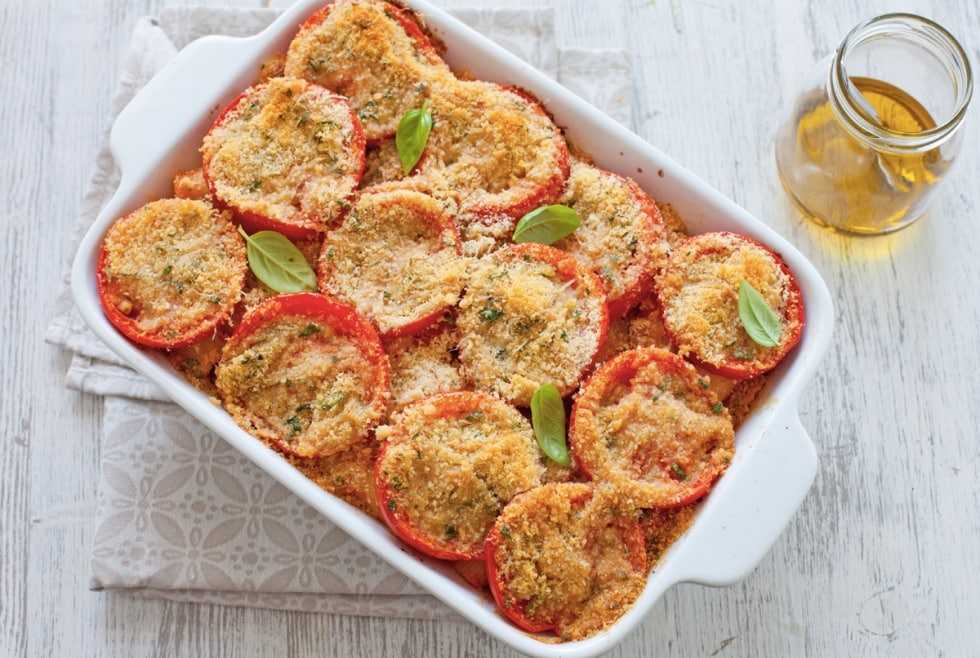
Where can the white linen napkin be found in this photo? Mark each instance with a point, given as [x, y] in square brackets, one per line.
[180, 514]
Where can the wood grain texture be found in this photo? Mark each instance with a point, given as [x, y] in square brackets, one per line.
[880, 561]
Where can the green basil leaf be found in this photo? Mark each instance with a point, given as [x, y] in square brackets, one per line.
[760, 321]
[412, 134]
[548, 421]
[278, 263]
[547, 224]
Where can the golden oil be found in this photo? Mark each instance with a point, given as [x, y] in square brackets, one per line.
[842, 182]
[860, 153]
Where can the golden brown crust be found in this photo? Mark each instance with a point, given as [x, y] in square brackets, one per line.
[567, 557]
[306, 374]
[531, 315]
[698, 292]
[347, 474]
[286, 155]
[171, 271]
[449, 465]
[191, 185]
[424, 364]
[673, 224]
[743, 397]
[646, 423]
[621, 237]
[372, 54]
[497, 154]
[396, 258]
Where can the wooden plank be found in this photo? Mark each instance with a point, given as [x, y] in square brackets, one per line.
[880, 561]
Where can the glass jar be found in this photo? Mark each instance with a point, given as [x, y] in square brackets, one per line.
[877, 126]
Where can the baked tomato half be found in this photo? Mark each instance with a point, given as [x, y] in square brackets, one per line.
[285, 156]
[621, 237]
[305, 373]
[425, 364]
[497, 154]
[699, 295]
[170, 272]
[531, 314]
[374, 54]
[448, 465]
[647, 423]
[396, 256]
[566, 557]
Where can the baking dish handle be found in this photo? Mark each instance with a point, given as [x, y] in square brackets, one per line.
[744, 515]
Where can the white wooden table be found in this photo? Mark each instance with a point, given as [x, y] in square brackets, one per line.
[882, 560]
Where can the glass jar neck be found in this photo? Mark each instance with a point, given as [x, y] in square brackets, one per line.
[889, 38]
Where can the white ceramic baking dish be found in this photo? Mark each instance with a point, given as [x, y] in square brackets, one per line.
[159, 133]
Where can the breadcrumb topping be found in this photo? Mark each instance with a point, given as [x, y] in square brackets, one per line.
[287, 151]
[698, 293]
[524, 323]
[621, 237]
[452, 462]
[174, 268]
[301, 384]
[396, 258]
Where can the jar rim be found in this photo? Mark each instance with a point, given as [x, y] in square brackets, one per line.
[854, 106]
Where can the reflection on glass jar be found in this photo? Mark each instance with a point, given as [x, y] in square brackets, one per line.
[875, 130]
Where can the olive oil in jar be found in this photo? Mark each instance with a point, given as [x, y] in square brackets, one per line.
[859, 152]
[843, 182]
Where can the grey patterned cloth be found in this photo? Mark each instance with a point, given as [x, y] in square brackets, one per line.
[182, 515]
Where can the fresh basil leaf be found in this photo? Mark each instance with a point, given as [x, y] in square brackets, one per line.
[278, 263]
[547, 224]
[412, 134]
[760, 321]
[548, 421]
